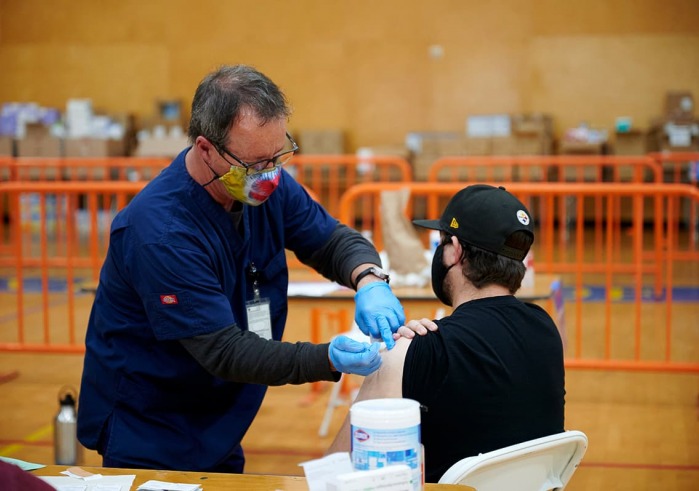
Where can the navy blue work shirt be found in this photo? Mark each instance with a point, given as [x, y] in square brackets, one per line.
[176, 268]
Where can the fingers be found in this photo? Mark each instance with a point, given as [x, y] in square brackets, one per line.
[429, 324]
[349, 345]
[373, 358]
[386, 333]
[404, 332]
[368, 361]
[416, 327]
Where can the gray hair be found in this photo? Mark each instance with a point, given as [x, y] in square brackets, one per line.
[222, 95]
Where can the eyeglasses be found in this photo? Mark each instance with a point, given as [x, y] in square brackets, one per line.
[264, 164]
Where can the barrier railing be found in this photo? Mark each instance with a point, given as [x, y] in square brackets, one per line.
[82, 168]
[678, 166]
[55, 244]
[682, 167]
[329, 176]
[52, 248]
[580, 264]
[546, 168]
[565, 168]
[71, 169]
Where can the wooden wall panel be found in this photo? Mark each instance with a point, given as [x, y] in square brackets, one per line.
[363, 66]
[595, 79]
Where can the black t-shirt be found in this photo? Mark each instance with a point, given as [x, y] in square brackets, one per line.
[491, 376]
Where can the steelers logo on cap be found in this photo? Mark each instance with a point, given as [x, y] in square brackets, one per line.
[523, 217]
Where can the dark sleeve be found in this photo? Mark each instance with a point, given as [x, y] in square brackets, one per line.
[341, 254]
[424, 369]
[243, 356]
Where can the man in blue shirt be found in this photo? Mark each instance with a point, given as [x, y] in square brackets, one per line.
[185, 331]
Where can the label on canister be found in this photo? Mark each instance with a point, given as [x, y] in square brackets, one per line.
[387, 432]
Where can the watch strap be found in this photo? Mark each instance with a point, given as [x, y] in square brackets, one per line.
[368, 271]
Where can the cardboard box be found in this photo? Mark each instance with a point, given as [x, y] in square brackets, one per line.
[532, 144]
[421, 165]
[38, 142]
[633, 142]
[94, 147]
[671, 136]
[392, 150]
[532, 124]
[161, 147]
[451, 147]
[679, 106]
[6, 146]
[477, 146]
[432, 142]
[322, 142]
[488, 125]
[581, 148]
[502, 145]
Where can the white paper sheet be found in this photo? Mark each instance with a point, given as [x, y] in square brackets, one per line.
[312, 288]
[105, 483]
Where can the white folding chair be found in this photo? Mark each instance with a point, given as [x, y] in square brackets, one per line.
[545, 463]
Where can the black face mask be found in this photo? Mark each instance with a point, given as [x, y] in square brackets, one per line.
[439, 273]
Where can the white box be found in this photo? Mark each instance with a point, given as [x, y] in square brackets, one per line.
[487, 125]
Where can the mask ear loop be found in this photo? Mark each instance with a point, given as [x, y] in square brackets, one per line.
[216, 176]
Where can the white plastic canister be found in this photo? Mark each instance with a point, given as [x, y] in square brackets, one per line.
[386, 432]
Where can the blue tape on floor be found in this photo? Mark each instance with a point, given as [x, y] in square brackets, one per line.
[33, 284]
[592, 293]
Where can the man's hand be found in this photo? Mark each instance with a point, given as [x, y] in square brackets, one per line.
[350, 356]
[415, 327]
[378, 313]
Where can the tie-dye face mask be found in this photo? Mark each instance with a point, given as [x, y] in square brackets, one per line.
[252, 189]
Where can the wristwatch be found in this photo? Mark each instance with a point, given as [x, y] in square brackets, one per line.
[376, 271]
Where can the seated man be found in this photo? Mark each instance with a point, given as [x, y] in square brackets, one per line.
[491, 374]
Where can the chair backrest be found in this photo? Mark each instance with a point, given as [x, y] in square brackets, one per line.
[536, 465]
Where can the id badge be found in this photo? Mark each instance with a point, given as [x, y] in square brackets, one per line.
[259, 318]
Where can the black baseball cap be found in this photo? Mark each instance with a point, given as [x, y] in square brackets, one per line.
[484, 216]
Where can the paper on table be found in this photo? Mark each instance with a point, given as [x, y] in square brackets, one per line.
[27, 466]
[105, 483]
[153, 485]
[319, 471]
[79, 473]
[312, 288]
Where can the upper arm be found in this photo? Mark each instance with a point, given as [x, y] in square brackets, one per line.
[387, 381]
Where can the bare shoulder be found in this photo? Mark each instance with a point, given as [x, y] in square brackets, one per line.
[387, 381]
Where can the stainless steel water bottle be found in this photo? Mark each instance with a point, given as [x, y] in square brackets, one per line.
[65, 426]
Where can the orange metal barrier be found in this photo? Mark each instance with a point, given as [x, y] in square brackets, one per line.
[57, 246]
[581, 264]
[563, 168]
[682, 167]
[329, 176]
[82, 168]
[546, 168]
[678, 166]
[54, 246]
[51, 252]
[72, 169]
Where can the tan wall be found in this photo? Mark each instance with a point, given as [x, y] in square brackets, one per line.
[362, 65]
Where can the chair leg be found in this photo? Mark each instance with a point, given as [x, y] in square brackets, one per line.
[333, 401]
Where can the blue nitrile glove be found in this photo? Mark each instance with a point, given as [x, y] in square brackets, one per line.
[350, 356]
[378, 313]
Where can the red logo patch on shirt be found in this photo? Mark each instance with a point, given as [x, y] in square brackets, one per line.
[168, 299]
